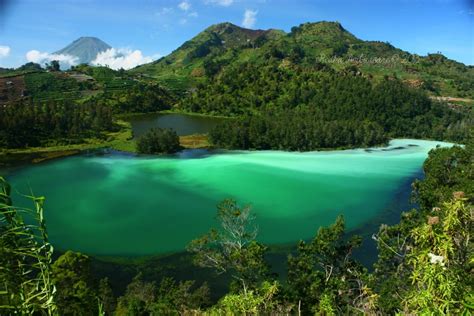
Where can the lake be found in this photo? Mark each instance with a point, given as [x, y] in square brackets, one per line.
[116, 204]
[183, 124]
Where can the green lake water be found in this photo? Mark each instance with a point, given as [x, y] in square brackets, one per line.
[115, 204]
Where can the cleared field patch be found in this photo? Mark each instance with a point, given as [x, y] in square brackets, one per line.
[11, 88]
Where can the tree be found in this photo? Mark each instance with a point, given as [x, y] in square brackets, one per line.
[138, 298]
[232, 248]
[106, 297]
[71, 275]
[260, 301]
[53, 66]
[183, 297]
[323, 276]
[158, 141]
[169, 298]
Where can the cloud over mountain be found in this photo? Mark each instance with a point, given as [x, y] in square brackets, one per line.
[93, 51]
[42, 58]
[121, 58]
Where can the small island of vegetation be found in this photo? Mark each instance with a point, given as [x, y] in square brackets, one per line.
[158, 141]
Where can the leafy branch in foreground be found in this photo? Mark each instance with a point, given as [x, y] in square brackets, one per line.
[25, 258]
[323, 276]
[232, 248]
[441, 261]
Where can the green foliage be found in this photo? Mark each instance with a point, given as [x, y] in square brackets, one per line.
[233, 248]
[30, 66]
[299, 129]
[261, 301]
[170, 298]
[158, 141]
[106, 297]
[182, 297]
[141, 98]
[447, 170]
[297, 108]
[76, 294]
[42, 86]
[441, 261]
[26, 285]
[125, 93]
[323, 275]
[400, 244]
[325, 306]
[35, 124]
[53, 66]
[138, 298]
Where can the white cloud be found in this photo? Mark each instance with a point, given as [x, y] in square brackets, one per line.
[250, 18]
[38, 57]
[164, 11]
[185, 5]
[183, 21]
[193, 14]
[4, 51]
[122, 58]
[223, 3]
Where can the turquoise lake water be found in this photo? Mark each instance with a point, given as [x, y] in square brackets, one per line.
[115, 204]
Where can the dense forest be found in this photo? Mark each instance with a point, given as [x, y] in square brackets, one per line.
[306, 109]
[30, 124]
[424, 263]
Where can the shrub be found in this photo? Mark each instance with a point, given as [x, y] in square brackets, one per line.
[158, 141]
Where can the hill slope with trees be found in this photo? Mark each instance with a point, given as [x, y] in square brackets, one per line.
[310, 44]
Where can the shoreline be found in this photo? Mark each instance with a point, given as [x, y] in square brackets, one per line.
[123, 141]
[120, 140]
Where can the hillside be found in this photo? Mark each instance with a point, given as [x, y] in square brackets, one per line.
[83, 83]
[191, 62]
[322, 43]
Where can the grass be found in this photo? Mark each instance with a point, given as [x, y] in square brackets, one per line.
[194, 141]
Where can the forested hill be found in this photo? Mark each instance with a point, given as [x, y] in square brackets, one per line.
[318, 86]
[323, 44]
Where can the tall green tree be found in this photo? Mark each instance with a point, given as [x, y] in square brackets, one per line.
[323, 276]
[76, 293]
[233, 247]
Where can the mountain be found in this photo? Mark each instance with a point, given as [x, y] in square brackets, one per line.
[322, 43]
[85, 48]
[184, 68]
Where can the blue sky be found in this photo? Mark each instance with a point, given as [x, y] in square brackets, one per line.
[156, 28]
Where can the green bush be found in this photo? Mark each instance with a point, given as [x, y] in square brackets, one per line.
[158, 141]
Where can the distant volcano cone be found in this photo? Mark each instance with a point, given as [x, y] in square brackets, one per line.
[85, 49]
